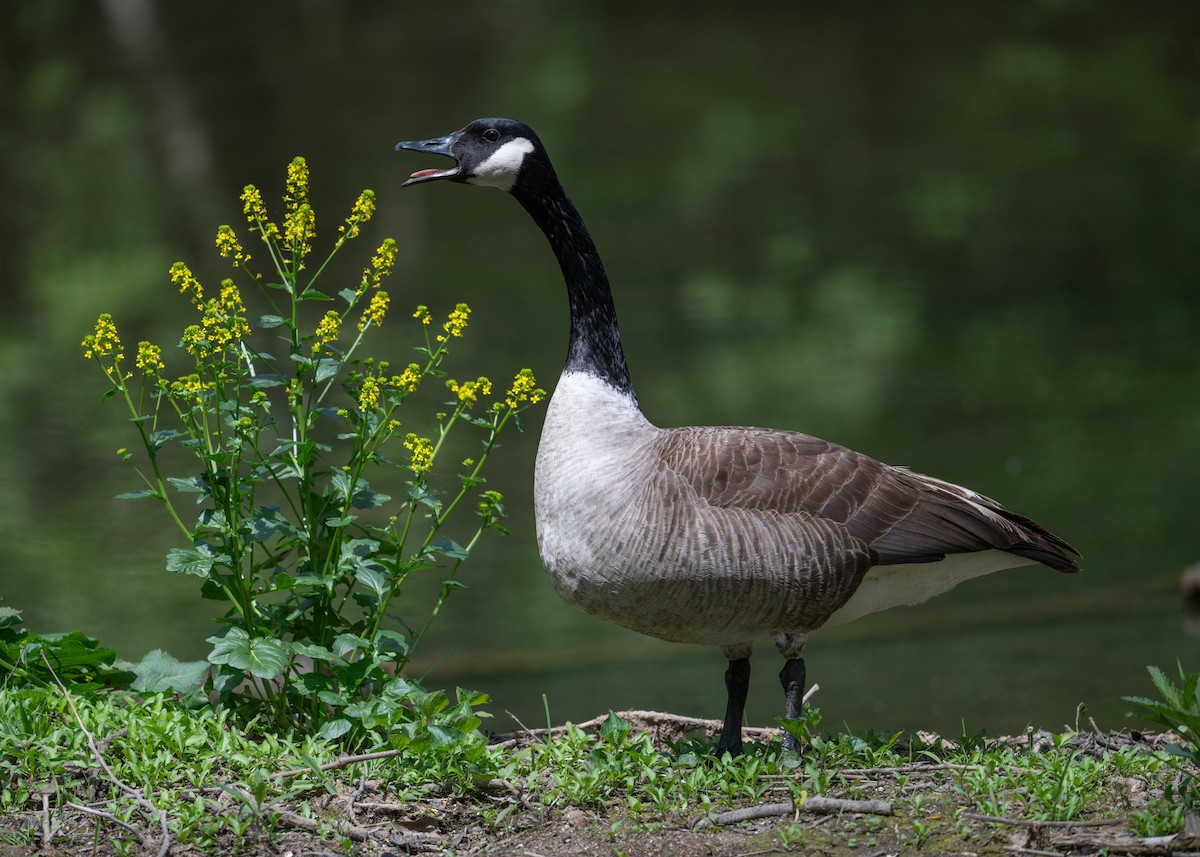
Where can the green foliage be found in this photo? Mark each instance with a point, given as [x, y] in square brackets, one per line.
[1178, 710]
[79, 661]
[282, 429]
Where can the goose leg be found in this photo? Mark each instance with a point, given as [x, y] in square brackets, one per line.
[792, 679]
[737, 685]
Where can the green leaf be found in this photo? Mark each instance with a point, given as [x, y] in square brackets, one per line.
[137, 495]
[346, 643]
[269, 321]
[348, 295]
[158, 438]
[335, 729]
[327, 367]
[314, 651]
[345, 520]
[450, 548]
[266, 380]
[159, 672]
[371, 576]
[264, 657]
[195, 562]
[311, 294]
[392, 642]
[190, 485]
[615, 729]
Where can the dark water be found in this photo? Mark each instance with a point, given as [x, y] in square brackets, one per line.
[963, 242]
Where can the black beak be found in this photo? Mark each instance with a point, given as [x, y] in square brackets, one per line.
[436, 146]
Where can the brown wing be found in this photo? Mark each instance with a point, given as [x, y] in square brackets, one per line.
[900, 516]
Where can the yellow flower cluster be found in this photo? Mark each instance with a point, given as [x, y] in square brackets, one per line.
[185, 280]
[422, 452]
[149, 358]
[189, 386]
[408, 379]
[228, 245]
[368, 394]
[457, 322]
[381, 265]
[230, 301]
[300, 228]
[468, 392]
[256, 212]
[105, 341]
[422, 313]
[300, 222]
[374, 312]
[327, 330]
[363, 208]
[524, 389]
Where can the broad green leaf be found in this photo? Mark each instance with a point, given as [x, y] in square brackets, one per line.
[266, 380]
[615, 728]
[373, 579]
[190, 485]
[269, 321]
[327, 367]
[346, 643]
[185, 561]
[335, 729]
[264, 657]
[314, 295]
[158, 438]
[314, 651]
[348, 295]
[159, 672]
[450, 548]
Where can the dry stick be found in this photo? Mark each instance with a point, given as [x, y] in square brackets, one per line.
[813, 804]
[133, 793]
[358, 792]
[108, 816]
[341, 762]
[45, 822]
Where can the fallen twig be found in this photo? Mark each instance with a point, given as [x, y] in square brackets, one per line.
[341, 762]
[99, 757]
[813, 804]
[108, 816]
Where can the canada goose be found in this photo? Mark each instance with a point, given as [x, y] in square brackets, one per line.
[717, 535]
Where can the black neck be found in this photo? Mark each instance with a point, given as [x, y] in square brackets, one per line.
[595, 345]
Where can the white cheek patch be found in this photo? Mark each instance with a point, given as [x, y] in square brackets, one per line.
[500, 170]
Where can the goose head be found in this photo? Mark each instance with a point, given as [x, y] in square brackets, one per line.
[487, 152]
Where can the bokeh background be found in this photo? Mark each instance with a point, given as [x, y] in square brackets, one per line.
[962, 237]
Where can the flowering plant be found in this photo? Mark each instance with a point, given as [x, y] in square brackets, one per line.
[302, 548]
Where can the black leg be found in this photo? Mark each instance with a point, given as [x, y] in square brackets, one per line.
[792, 679]
[737, 685]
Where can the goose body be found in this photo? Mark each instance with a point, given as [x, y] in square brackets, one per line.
[717, 535]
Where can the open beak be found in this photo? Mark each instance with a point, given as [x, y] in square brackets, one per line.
[436, 146]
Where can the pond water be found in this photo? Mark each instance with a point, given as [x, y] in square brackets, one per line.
[966, 244]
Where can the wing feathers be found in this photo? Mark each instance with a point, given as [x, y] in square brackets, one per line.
[895, 514]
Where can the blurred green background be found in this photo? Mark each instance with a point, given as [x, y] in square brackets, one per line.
[962, 237]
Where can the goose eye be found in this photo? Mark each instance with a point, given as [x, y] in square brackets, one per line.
[491, 135]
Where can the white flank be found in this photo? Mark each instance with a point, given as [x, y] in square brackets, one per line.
[912, 583]
[500, 170]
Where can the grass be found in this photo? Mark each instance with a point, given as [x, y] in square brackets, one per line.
[226, 788]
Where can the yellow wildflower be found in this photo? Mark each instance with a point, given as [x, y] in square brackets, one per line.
[256, 213]
[297, 182]
[368, 394]
[457, 322]
[381, 265]
[189, 386]
[375, 310]
[363, 208]
[300, 228]
[228, 245]
[105, 341]
[182, 276]
[327, 330]
[524, 389]
[230, 301]
[408, 379]
[468, 392]
[149, 358]
[422, 313]
[422, 452]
